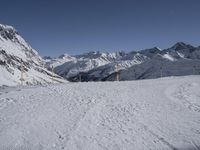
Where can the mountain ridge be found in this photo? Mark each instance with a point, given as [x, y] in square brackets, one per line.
[90, 67]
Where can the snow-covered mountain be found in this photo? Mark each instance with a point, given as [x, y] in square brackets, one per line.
[95, 64]
[74, 65]
[180, 59]
[17, 56]
[101, 72]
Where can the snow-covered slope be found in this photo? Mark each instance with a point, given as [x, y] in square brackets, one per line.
[17, 55]
[159, 67]
[157, 114]
[180, 59]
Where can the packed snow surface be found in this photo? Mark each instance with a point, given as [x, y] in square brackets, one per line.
[131, 115]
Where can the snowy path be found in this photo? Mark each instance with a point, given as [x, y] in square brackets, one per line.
[150, 114]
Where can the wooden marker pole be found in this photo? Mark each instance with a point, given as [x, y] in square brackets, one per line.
[52, 69]
[161, 72]
[80, 77]
[134, 71]
[117, 73]
[22, 72]
[194, 70]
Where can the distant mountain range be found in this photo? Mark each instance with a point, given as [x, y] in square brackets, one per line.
[180, 59]
[19, 62]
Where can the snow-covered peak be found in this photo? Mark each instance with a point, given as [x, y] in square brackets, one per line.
[181, 46]
[54, 62]
[150, 52]
[7, 28]
[98, 55]
[158, 48]
[89, 55]
[47, 58]
[65, 56]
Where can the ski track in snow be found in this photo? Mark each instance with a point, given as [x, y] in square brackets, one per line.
[150, 114]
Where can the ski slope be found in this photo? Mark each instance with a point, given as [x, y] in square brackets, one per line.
[131, 115]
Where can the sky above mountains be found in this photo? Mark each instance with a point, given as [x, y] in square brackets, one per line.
[54, 27]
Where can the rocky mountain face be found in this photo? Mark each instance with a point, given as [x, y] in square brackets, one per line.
[180, 59]
[19, 62]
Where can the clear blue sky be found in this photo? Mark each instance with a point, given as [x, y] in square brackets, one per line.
[54, 27]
